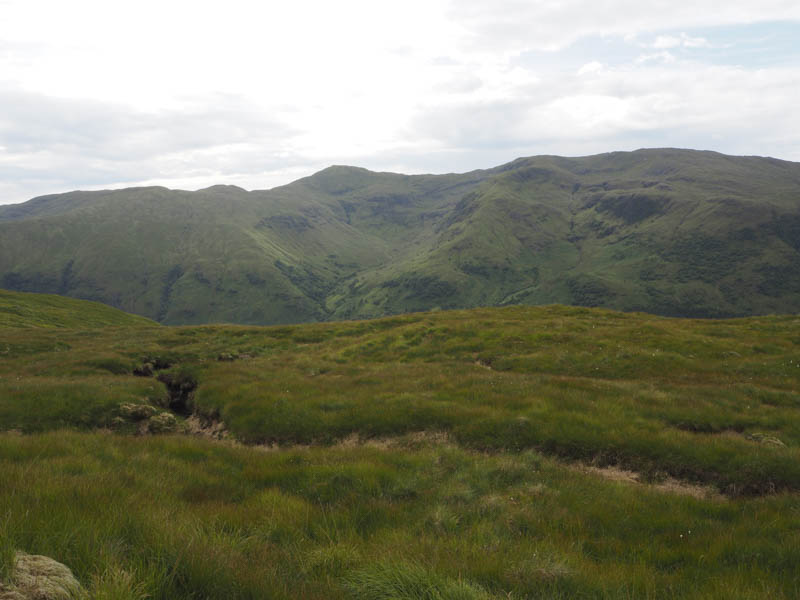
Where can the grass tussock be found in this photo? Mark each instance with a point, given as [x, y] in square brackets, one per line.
[171, 517]
[410, 582]
[415, 457]
[117, 584]
[7, 550]
[692, 400]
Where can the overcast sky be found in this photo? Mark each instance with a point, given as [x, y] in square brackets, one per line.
[99, 94]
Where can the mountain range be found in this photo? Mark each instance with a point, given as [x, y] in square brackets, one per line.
[665, 231]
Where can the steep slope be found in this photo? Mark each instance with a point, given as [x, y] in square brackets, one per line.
[220, 254]
[665, 231]
[217, 254]
[672, 232]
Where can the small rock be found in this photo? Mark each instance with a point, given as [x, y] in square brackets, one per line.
[763, 438]
[40, 578]
[162, 423]
[136, 412]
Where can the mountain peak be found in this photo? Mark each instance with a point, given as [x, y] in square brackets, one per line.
[340, 179]
[223, 188]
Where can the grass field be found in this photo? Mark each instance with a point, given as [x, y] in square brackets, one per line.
[19, 309]
[546, 452]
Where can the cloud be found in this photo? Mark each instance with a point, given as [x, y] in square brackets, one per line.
[190, 93]
[682, 40]
[666, 41]
[459, 83]
[32, 121]
[709, 107]
[66, 142]
[518, 25]
[590, 68]
[663, 57]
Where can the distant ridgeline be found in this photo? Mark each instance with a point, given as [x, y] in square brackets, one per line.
[671, 232]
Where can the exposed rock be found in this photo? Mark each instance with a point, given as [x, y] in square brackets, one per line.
[209, 428]
[40, 578]
[162, 423]
[136, 412]
[763, 438]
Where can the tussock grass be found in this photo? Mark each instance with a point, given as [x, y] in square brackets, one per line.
[117, 584]
[175, 517]
[410, 582]
[421, 454]
[7, 549]
[660, 396]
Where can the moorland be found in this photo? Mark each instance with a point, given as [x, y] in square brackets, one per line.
[507, 452]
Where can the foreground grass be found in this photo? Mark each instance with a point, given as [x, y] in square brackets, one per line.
[174, 517]
[712, 402]
[488, 509]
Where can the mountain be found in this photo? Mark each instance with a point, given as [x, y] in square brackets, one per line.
[666, 231]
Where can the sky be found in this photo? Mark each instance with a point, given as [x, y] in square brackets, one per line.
[187, 94]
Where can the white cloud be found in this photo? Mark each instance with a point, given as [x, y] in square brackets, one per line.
[591, 68]
[697, 42]
[517, 25]
[667, 41]
[96, 93]
[682, 40]
[663, 57]
[632, 107]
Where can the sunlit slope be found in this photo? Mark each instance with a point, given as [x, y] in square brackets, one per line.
[20, 309]
[671, 232]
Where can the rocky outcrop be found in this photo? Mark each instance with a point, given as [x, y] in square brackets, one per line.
[40, 578]
[162, 423]
[136, 412]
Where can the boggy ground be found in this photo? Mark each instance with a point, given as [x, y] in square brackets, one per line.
[458, 454]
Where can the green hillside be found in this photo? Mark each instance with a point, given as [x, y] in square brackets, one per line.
[517, 452]
[670, 232]
[20, 309]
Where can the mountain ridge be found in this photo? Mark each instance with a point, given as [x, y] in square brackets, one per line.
[666, 231]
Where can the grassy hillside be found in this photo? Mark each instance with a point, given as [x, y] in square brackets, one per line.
[671, 232]
[220, 254]
[19, 309]
[525, 452]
